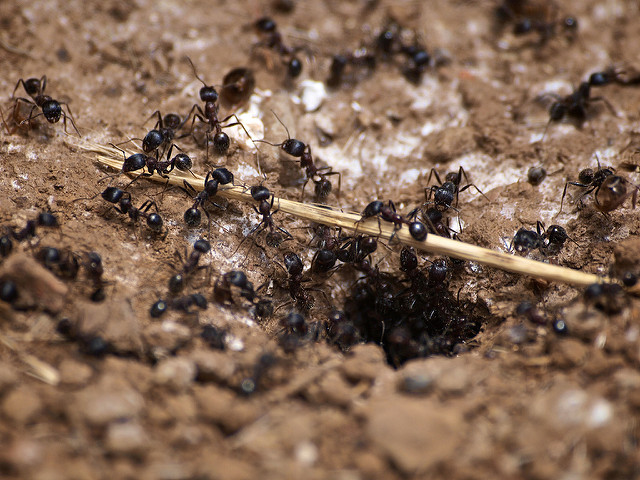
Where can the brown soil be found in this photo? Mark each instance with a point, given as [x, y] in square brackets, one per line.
[518, 401]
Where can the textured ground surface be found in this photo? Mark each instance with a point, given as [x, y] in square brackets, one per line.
[520, 402]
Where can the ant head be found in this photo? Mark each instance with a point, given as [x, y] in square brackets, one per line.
[293, 264]
[586, 176]
[265, 25]
[33, 86]
[52, 110]
[207, 93]
[408, 259]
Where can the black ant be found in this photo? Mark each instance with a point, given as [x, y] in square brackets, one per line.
[298, 149]
[444, 194]
[214, 178]
[434, 219]
[609, 298]
[236, 279]
[51, 109]
[549, 241]
[94, 270]
[44, 219]
[125, 206]
[183, 304]
[272, 40]
[610, 190]
[574, 105]
[209, 116]
[359, 60]
[251, 384]
[161, 135]
[274, 238]
[356, 249]
[534, 16]
[177, 282]
[63, 263]
[616, 75]
[300, 294]
[387, 212]
[90, 344]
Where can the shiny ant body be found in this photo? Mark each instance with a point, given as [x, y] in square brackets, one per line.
[387, 212]
[274, 237]
[123, 204]
[235, 279]
[272, 40]
[548, 241]
[178, 281]
[534, 16]
[214, 178]
[576, 104]
[51, 109]
[209, 116]
[444, 194]
[610, 190]
[44, 219]
[183, 304]
[298, 149]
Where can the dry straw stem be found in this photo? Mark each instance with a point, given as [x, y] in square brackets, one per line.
[349, 221]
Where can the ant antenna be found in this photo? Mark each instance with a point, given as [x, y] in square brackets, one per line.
[195, 72]
[282, 123]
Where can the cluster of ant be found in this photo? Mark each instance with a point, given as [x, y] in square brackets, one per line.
[534, 16]
[64, 263]
[413, 314]
[395, 45]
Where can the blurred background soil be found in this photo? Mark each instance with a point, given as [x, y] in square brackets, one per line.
[518, 401]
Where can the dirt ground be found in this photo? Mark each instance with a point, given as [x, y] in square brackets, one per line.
[159, 401]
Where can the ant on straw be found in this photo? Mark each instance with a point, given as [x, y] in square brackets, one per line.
[209, 116]
[214, 178]
[139, 161]
[299, 149]
[387, 212]
[50, 108]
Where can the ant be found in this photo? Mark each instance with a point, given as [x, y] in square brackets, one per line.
[360, 59]
[609, 298]
[161, 135]
[574, 105]
[214, 178]
[51, 109]
[94, 269]
[529, 16]
[387, 212]
[183, 304]
[298, 149]
[274, 238]
[616, 75]
[272, 40]
[214, 337]
[9, 291]
[444, 195]
[177, 282]
[300, 295]
[610, 190]
[209, 116]
[549, 241]
[125, 206]
[434, 220]
[231, 280]
[63, 263]
[535, 175]
[44, 219]
[356, 249]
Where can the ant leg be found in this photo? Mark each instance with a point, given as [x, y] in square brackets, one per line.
[606, 102]
[238, 122]
[431, 173]
[9, 132]
[64, 122]
[159, 122]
